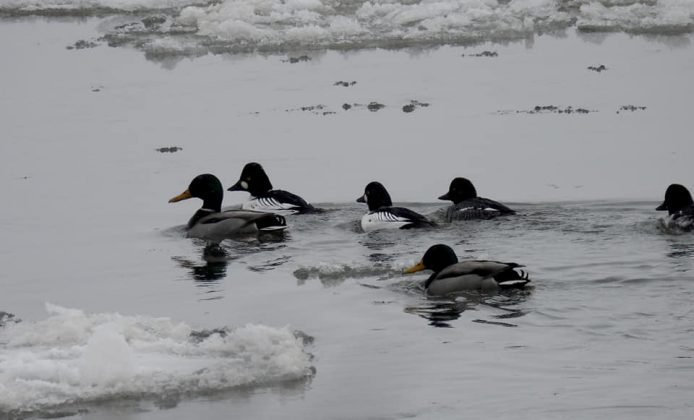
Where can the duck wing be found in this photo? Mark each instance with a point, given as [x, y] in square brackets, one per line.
[477, 208]
[480, 268]
[279, 201]
[230, 223]
[505, 274]
[402, 214]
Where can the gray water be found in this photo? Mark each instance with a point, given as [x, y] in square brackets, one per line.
[606, 331]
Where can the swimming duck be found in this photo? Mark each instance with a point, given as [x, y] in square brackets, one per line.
[263, 198]
[210, 222]
[467, 205]
[680, 206]
[382, 214]
[451, 276]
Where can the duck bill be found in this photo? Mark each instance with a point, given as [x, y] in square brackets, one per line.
[180, 197]
[417, 267]
[241, 185]
[445, 197]
[661, 207]
[361, 199]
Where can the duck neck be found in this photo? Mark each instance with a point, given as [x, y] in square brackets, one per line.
[212, 203]
[430, 280]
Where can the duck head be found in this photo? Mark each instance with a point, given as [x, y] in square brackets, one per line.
[253, 179]
[436, 259]
[677, 197]
[205, 187]
[460, 189]
[375, 196]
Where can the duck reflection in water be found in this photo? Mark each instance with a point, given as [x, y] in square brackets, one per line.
[215, 268]
[440, 312]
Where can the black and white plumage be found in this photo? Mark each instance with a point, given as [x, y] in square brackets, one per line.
[382, 214]
[680, 207]
[211, 223]
[263, 198]
[451, 276]
[467, 205]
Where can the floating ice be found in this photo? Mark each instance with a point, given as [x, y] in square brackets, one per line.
[72, 357]
[269, 25]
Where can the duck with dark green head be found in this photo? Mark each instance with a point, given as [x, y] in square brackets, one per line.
[211, 223]
[467, 205]
[452, 276]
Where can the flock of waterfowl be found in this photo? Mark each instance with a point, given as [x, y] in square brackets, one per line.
[266, 208]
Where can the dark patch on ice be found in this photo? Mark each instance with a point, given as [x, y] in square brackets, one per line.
[6, 318]
[598, 69]
[82, 44]
[170, 149]
[299, 59]
[383, 302]
[375, 106]
[127, 26]
[550, 109]
[314, 109]
[345, 84]
[346, 106]
[202, 335]
[483, 54]
[630, 108]
[414, 104]
[154, 22]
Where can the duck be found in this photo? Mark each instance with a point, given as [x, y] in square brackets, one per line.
[680, 207]
[263, 198]
[382, 214]
[212, 223]
[451, 275]
[467, 205]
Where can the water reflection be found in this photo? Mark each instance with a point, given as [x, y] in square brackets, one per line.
[680, 249]
[216, 256]
[441, 311]
[216, 260]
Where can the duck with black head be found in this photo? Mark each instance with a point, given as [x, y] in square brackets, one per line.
[452, 276]
[680, 207]
[211, 223]
[255, 181]
[467, 205]
[382, 214]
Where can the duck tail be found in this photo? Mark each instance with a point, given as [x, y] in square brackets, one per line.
[271, 223]
[513, 277]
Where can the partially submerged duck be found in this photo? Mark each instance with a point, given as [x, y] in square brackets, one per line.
[211, 223]
[451, 276]
[263, 198]
[680, 207]
[467, 205]
[382, 214]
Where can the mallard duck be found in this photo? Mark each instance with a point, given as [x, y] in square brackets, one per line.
[467, 205]
[382, 214]
[211, 223]
[680, 207]
[263, 198]
[451, 276]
